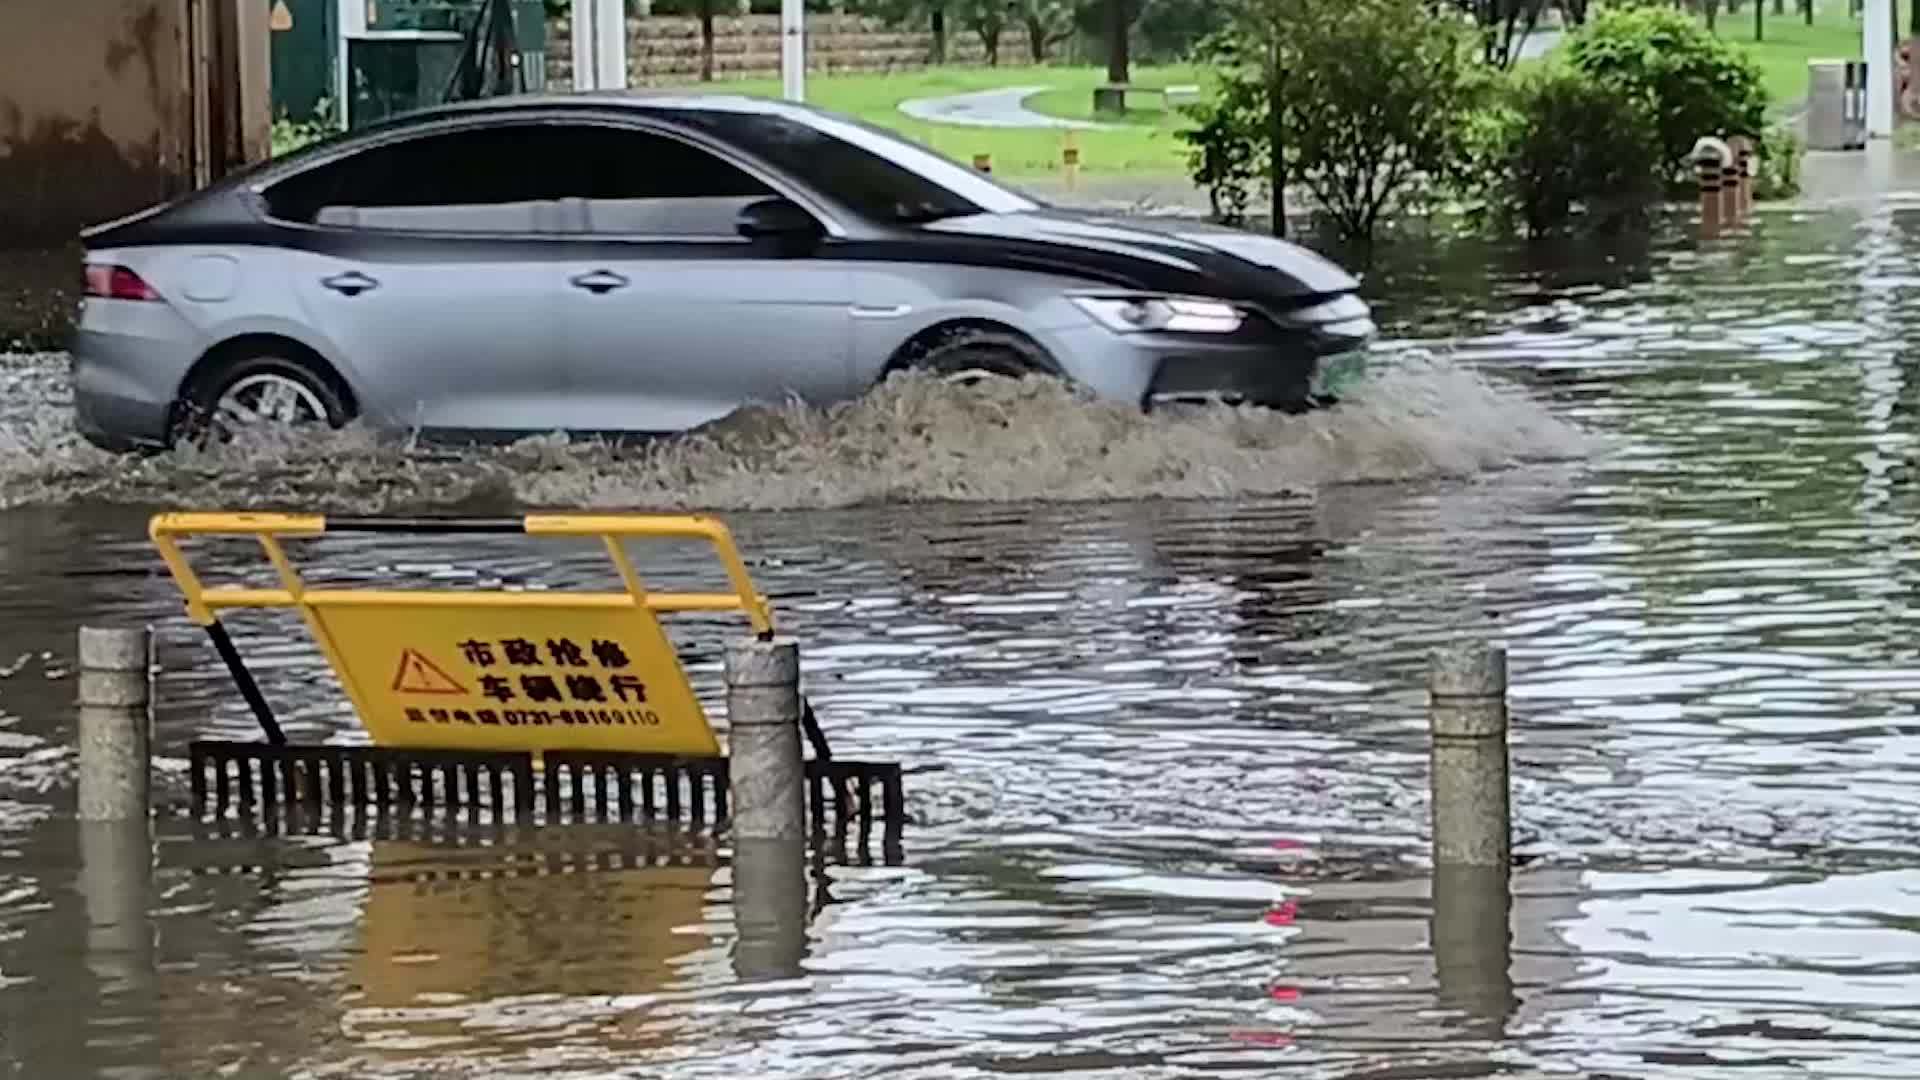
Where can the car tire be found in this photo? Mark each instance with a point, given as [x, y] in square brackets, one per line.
[967, 355]
[259, 388]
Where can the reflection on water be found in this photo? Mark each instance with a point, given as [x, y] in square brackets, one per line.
[1176, 820]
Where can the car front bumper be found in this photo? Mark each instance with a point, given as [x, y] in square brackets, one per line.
[1289, 374]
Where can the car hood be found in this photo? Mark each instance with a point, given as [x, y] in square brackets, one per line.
[1239, 263]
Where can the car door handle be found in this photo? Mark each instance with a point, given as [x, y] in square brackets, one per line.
[351, 283]
[598, 281]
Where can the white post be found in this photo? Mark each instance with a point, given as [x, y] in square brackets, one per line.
[353, 23]
[599, 45]
[793, 50]
[1877, 47]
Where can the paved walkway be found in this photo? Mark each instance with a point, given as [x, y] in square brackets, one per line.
[1004, 108]
[1007, 107]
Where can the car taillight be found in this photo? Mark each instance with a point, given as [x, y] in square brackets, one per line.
[117, 283]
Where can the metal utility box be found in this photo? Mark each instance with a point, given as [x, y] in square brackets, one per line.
[368, 59]
[396, 71]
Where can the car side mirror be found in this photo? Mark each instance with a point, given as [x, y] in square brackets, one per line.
[777, 219]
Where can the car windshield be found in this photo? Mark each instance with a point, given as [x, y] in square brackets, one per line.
[878, 174]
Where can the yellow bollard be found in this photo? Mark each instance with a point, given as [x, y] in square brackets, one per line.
[1070, 159]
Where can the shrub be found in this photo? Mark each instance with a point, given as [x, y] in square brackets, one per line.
[1560, 142]
[1780, 153]
[1696, 84]
[1228, 148]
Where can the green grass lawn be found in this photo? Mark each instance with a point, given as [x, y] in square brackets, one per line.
[1787, 43]
[1143, 143]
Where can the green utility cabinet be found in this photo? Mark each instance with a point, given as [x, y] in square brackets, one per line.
[304, 36]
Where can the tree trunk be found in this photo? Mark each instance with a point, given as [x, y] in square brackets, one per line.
[706, 42]
[1277, 139]
[1118, 61]
[939, 35]
[1037, 40]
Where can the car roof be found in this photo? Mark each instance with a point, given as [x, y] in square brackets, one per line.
[640, 100]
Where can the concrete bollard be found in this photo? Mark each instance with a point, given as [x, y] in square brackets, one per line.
[1070, 159]
[1467, 707]
[763, 740]
[115, 722]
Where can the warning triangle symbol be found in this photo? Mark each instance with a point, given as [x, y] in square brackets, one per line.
[280, 18]
[419, 675]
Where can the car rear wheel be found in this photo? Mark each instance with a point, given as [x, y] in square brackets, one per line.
[261, 391]
[968, 356]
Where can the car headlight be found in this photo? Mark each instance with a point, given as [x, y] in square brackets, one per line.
[1182, 315]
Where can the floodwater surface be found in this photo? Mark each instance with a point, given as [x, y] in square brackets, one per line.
[1164, 680]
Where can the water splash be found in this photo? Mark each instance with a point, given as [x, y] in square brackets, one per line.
[914, 439]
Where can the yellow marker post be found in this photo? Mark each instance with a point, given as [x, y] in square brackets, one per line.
[489, 670]
[1070, 158]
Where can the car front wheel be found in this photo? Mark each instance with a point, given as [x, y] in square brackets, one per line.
[260, 391]
[967, 356]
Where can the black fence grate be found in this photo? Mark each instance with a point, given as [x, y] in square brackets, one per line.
[269, 782]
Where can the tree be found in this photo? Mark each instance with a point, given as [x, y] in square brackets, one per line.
[909, 12]
[1048, 23]
[1506, 24]
[1697, 84]
[705, 11]
[1368, 103]
[988, 20]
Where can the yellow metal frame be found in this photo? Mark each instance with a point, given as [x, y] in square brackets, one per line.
[204, 603]
[270, 529]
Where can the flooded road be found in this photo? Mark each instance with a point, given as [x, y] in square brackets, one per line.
[1175, 824]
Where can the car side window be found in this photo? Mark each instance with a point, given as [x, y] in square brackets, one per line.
[527, 179]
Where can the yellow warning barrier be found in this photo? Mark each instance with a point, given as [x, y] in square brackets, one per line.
[493, 670]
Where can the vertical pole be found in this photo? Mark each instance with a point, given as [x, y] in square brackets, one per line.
[793, 50]
[1877, 47]
[255, 61]
[1744, 169]
[114, 722]
[599, 45]
[352, 23]
[1070, 158]
[1730, 187]
[1467, 708]
[763, 740]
